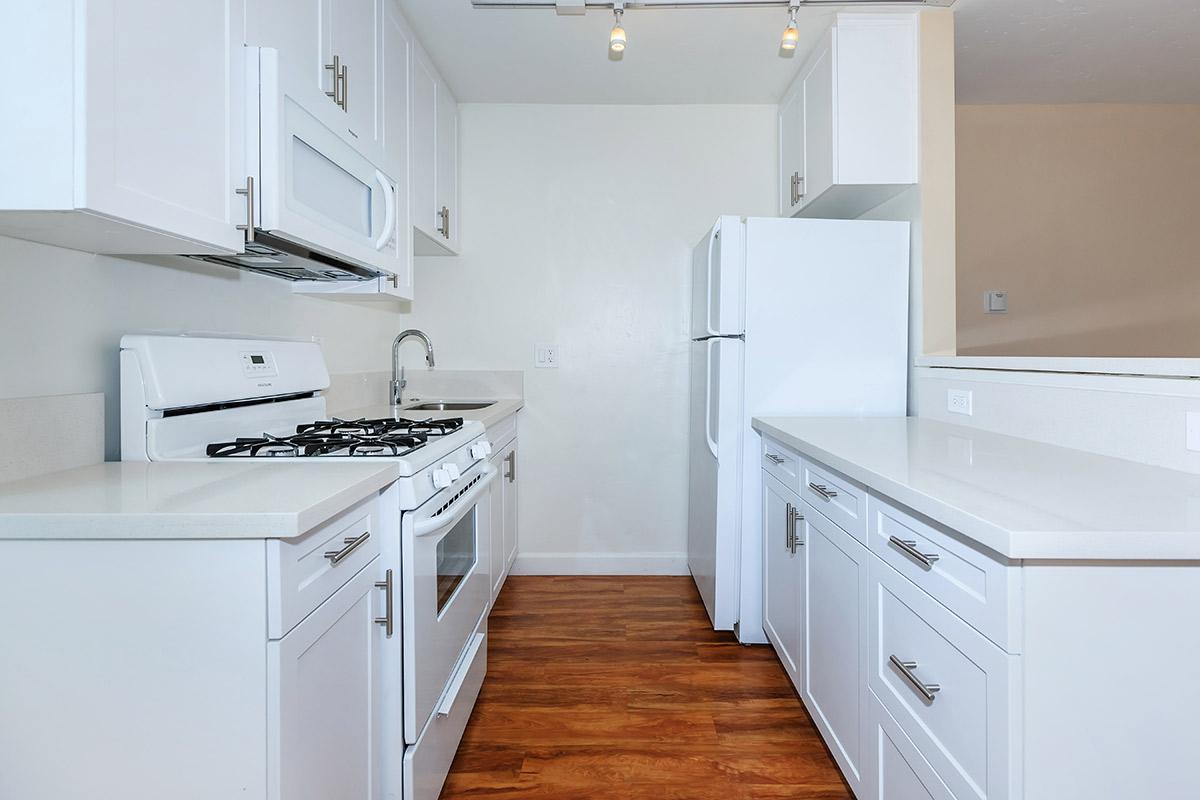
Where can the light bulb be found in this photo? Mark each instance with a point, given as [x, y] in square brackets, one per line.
[790, 37]
[616, 40]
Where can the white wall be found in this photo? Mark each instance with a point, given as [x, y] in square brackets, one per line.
[578, 225]
[62, 314]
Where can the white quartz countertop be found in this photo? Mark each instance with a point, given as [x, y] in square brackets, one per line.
[1020, 498]
[500, 409]
[186, 500]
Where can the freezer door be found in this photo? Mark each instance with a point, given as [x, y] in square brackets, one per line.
[715, 476]
[718, 281]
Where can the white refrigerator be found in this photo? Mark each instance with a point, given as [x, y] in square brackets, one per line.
[789, 317]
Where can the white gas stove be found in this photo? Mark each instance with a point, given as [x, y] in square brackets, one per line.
[206, 398]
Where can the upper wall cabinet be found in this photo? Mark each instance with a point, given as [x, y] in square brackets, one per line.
[435, 161]
[848, 124]
[119, 139]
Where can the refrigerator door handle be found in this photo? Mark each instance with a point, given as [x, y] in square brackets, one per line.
[708, 382]
[712, 241]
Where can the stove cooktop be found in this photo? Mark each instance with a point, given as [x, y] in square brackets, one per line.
[340, 438]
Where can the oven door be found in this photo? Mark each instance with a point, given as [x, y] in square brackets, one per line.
[445, 589]
[313, 187]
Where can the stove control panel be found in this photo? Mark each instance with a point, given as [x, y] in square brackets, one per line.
[259, 364]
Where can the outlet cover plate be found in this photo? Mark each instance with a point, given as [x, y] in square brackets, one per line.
[960, 401]
[545, 356]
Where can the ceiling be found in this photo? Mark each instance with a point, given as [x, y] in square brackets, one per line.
[1009, 51]
[1078, 51]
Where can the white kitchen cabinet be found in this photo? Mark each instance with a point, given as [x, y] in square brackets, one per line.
[848, 123]
[120, 140]
[837, 592]
[503, 502]
[325, 680]
[435, 161]
[783, 575]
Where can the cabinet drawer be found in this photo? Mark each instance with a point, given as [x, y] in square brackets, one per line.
[427, 762]
[782, 463]
[303, 573]
[977, 587]
[835, 496]
[947, 687]
[897, 769]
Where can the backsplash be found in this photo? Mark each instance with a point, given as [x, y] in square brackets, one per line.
[39, 435]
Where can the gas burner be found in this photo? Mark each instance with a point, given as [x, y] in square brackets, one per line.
[386, 426]
[386, 445]
[256, 447]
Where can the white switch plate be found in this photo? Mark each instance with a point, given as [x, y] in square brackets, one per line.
[960, 401]
[1193, 430]
[996, 302]
[545, 356]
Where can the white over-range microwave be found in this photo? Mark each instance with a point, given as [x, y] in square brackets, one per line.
[317, 208]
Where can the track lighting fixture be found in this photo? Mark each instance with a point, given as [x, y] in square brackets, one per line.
[791, 36]
[617, 39]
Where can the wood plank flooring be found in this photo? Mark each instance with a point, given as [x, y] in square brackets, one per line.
[616, 687]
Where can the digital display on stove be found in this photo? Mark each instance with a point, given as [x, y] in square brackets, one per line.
[257, 360]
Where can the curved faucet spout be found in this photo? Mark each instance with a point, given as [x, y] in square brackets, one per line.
[398, 380]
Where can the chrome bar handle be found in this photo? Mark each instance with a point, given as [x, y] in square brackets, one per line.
[345, 80]
[337, 556]
[511, 458]
[796, 517]
[823, 490]
[909, 548]
[336, 68]
[789, 527]
[928, 690]
[387, 621]
[249, 193]
[444, 228]
[774, 458]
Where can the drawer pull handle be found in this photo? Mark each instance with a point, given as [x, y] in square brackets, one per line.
[337, 556]
[909, 548]
[928, 690]
[388, 620]
[774, 458]
[826, 493]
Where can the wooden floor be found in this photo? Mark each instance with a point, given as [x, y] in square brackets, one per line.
[617, 688]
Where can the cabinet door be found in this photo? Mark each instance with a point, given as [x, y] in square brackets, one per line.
[817, 120]
[791, 150]
[325, 690]
[836, 624]
[164, 126]
[498, 555]
[424, 146]
[509, 477]
[353, 37]
[447, 165]
[782, 591]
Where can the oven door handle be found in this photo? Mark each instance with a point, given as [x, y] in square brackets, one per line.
[450, 517]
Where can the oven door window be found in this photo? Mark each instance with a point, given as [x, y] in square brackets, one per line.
[456, 554]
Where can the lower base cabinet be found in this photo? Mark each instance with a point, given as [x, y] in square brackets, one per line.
[895, 766]
[836, 619]
[503, 502]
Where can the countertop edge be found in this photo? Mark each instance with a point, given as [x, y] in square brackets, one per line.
[1009, 545]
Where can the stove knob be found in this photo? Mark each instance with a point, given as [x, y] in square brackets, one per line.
[453, 471]
[487, 448]
[479, 451]
[441, 479]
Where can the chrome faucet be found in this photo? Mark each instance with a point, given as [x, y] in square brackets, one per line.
[398, 380]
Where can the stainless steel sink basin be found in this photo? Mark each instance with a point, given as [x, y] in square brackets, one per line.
[450, 406]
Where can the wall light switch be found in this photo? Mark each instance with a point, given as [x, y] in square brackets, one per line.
[960, 401]
[1193, 430]
[996, 302]
[545, 356]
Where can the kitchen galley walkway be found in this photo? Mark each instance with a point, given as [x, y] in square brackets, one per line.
[617, 688]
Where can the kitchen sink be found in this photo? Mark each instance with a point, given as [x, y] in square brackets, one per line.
[450, 406]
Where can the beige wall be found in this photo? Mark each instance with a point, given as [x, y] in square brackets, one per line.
[1089, 216]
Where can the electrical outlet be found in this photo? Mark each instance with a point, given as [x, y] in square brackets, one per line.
[545, 356]
[960, 401]
[996, 302]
